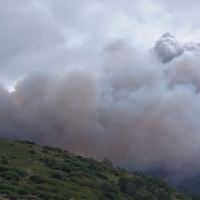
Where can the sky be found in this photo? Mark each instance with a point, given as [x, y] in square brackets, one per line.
[48, 36]
[104, 78]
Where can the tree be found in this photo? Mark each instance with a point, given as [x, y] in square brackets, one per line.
[131, 190]
[123, 181]
[110, 190]
[107, 162]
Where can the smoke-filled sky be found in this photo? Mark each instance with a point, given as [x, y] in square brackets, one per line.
[104, 78]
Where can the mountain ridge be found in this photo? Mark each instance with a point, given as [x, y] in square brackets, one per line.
[29, 171]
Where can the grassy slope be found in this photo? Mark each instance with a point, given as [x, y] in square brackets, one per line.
[29, 171]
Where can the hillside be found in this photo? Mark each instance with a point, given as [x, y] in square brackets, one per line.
[29, 171]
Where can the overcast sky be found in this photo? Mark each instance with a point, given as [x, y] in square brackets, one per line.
[52, 36]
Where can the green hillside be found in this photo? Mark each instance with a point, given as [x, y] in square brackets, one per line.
[29, 171]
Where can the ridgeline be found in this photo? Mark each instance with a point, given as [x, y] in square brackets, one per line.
[30, 171]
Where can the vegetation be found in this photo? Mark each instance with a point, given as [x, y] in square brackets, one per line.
[29, 171]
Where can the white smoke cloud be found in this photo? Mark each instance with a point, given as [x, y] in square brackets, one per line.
[136, 110]
[167, 48]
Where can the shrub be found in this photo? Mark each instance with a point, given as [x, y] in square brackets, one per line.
[48, 195]
[3, 168]
[30, 188]
[67, 160]
[4, 161]
[22, 191]
[57, 175]
[49, 161]
[28, 197]
[4, 191]
[45, 151]
[77, 164]
[20, 171]
[116, 172]
[48, 148]
[10, 175]
[26, 142]
[32, 152]
[7, 187]
[13, 196]
[110, 190]
[37, 179]
[29, 142]
[80, 157]
[106, 161]
[55, 167]
[57, 149]
[65, 167]
[101, 175]
[95, 167]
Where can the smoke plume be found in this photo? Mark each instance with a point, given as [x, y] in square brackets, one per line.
[140, 109]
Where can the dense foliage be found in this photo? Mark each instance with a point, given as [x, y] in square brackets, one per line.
[29, 171]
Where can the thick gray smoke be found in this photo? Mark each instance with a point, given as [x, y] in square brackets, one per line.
[141, 110]
[167, 48]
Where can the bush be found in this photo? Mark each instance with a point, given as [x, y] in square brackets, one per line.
[7, 187]
[37, 179]
[49, 161]
[106, 161]
[55, 167]
[95, 167]
[13, 196]
[78, 164]
[29, 142]
[48, 195]
[116, 172]
[30, 188]
[195, 196]
[4, 161]
[110, 190]
[67, 160]
[65, 167]
[48, 148]
[57, 149]
[22, 191]
[26, 142]
[45, 151]
[28, 197]
[32, 152]
[10, 175]
[57, 175]
[20, 171]
[80, 157]
[4, 168]
[101, 175]
[4, 191]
